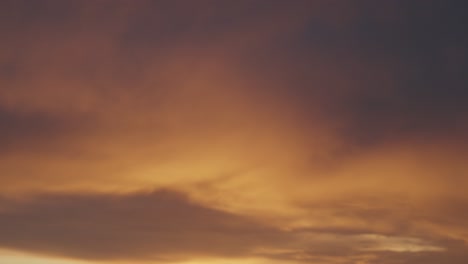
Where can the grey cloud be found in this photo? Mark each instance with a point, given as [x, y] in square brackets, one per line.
[166, 225]
[35, 131]
[455, 256]
[161, 224]
[390, 72]
[424, 50]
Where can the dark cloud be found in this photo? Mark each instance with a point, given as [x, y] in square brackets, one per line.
[425, 51]
[166, 225]
[456, 256]
[30, 132]
[157, 225]
[386, 72]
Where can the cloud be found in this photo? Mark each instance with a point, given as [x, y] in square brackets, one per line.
[456, 256]
[166, 225]
[36, 131]
[157, 225]
[340, 123]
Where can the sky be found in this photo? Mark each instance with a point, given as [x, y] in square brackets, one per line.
[233, 132]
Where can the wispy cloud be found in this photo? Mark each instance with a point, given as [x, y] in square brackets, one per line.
[317, 131]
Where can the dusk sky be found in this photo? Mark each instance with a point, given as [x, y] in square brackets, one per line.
[233, 131]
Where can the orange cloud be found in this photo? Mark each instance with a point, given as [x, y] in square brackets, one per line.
[334, 132]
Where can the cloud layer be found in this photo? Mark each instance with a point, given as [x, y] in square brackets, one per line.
[315, 131]
[167, 226]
